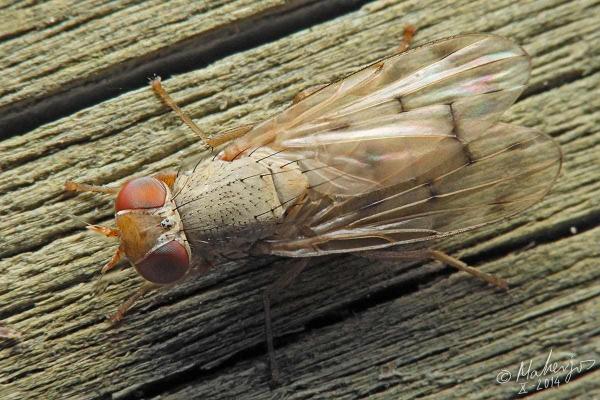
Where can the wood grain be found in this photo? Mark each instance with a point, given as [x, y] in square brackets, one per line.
[349, 328]
[58, 42]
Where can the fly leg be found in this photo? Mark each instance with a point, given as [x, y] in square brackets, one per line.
[407, 38]
[71, 186]
[113, 261]
[212, 142]
[123, 308]
[168, 177]
[456, 263]
[230, 134]
[307, 92]
[99, 229]
[438, 256]
[284, 281]
[164, 96]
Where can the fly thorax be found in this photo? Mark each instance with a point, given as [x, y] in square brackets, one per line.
[227, 206]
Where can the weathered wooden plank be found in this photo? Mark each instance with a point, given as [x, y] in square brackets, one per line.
[54, 43]
[417, 332]
[64, 56]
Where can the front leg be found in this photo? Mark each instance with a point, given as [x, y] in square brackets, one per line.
[71, 186]
[127, 304]
[168, 177]
[407, 38]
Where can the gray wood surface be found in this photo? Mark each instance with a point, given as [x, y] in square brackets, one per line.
[349, 327]
[63, 43]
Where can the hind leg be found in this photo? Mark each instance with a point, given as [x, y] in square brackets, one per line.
[307, 92]
[438, 256]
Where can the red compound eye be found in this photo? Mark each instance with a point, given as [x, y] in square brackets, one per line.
[165, 265]
[139, 193]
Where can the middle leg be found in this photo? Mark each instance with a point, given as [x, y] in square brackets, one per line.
[284, 281]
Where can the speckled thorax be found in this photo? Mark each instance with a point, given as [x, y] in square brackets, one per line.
[226, 207]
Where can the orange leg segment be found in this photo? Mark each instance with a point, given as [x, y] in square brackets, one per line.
[113, 261]
[103, 230]
[407, 38]
[82, 187]
[215, 141]
[123, 308]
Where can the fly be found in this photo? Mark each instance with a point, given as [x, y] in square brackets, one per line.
[382, 163]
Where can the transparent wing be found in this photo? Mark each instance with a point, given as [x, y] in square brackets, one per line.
[508, 169]
[408, 149]
[477, 77]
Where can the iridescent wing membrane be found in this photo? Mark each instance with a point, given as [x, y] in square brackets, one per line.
[408, 149]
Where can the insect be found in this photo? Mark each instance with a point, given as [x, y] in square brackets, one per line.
[381, 163]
